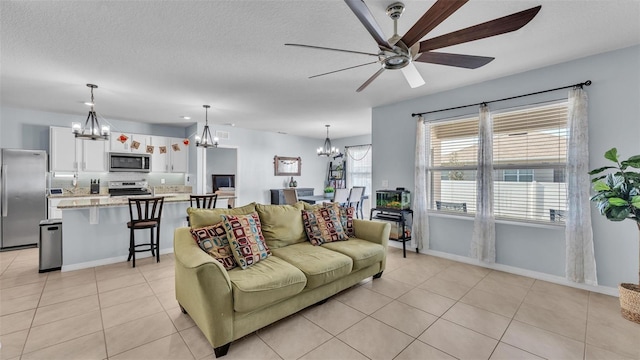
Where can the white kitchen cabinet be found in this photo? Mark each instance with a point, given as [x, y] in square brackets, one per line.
[142, 140]
[180, 158]
[62, 149]
[93, 155]
[66, 153]
[117, 145]
[160, 161]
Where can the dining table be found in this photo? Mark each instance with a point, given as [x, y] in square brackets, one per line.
[313, 199]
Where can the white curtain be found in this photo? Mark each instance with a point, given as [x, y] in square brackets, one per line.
[580, 259]
[483, 242]
[420, 227]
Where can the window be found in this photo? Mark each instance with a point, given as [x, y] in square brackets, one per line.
[518, 175]
[359, 167]
[529, 157]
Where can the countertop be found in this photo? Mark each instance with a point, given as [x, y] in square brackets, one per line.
[119, 201]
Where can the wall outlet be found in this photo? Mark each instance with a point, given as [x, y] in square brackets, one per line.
[162, 181]
[385, 183]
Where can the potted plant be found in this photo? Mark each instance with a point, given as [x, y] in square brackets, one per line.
[328, 191]
[618, 198]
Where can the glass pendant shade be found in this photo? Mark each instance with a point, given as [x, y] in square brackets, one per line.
[206, 140]
[92, 130]
[327, 149]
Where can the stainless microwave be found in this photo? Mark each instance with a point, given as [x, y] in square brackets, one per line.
[129, 162]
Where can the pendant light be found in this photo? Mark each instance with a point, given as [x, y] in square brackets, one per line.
[206, 141]
[327, 149]
[92, 129]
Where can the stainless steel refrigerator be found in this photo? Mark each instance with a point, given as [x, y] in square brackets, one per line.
[23, 201]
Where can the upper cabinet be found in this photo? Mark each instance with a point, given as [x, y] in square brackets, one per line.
[62, 149]
[69, 154]
[160, 157]
[179, 156]
[66, 153]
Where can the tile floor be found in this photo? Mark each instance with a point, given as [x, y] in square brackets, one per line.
[422, 308]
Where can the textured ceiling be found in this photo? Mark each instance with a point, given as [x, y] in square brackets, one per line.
[156, 61]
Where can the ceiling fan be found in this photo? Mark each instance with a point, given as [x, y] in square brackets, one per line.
[399, 53]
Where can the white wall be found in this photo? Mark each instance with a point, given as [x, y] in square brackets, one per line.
[614, 120]
[256, 150]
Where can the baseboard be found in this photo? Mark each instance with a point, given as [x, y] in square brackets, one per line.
[108, 261]
[515, 270]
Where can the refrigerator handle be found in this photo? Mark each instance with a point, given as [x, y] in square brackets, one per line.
[5, 198]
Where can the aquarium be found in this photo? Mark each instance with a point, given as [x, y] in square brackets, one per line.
[393, 199]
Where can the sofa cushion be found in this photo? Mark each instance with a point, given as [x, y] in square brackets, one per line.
[323, 225]
[213, 240]
[319, 265]
[281, 224]
[363, 253]
[245, 239]
[206, 217]
[346, 215]
[265, 283]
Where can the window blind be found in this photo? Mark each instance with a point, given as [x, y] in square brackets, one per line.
[529, 154]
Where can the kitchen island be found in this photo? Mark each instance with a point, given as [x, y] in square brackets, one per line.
[94, 231]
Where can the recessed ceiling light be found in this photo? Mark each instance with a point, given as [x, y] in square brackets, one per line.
[185, 117]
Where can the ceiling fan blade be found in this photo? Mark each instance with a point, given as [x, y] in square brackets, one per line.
[412, 75]
[457, 60]
[332, 49]
[349, 68]
[366, 18]
[436, 14]
[490, 28]
[370, 80]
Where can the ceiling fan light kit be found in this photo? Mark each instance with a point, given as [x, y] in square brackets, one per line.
[399, 53]
[92, 130]
[206, 140]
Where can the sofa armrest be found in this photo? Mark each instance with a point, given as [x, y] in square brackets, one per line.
[203, 289]
[374, 231]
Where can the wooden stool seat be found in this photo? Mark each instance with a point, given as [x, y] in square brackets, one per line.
[147, 214]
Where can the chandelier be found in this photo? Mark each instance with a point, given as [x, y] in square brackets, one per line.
[91, 129]
[206, 141]
[327, 149]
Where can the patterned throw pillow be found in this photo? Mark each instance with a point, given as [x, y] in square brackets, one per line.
[346, 217]
[245, 238]
[323, 226]
[213, 240]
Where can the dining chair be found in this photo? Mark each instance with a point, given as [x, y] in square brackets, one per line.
[355, 198]
[341, 196]
[360, 204]
[290, 196]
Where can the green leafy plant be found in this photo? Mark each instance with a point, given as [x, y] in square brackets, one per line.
[329, 189]
[618, 192]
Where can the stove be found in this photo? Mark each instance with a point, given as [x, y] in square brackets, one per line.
[129, 188]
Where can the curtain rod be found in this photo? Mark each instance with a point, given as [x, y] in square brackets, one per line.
[586, 83]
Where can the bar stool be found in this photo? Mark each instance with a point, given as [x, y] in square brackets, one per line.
[147, 216]
[207, 201]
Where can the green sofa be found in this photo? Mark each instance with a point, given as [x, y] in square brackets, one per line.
[227, 305]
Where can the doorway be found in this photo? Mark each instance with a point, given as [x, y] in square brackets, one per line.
[223, 163]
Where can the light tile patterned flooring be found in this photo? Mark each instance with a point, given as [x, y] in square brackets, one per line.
[422, 308]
